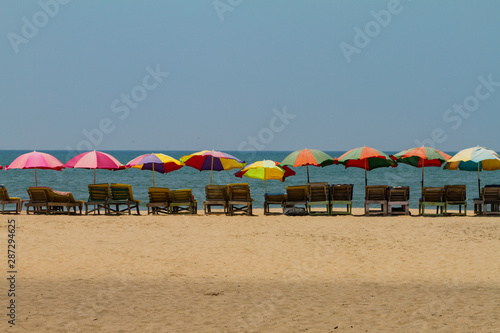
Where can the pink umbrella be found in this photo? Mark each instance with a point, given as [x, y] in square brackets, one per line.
[36, 160]
[94, 160]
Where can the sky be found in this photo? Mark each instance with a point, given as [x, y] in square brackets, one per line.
[249, 75]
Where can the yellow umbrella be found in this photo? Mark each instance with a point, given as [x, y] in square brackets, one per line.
[265, 170]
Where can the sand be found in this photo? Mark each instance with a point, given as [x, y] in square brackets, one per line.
[254, 274]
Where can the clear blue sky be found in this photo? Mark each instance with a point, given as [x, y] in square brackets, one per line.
[331, 75]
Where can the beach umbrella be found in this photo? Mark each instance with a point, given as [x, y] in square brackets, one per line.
[265, 170]
[366, 158]
[422, 157]
[307, 157]
[472, 159]
[155, 162]
[212, 160]
[36, 160]
[1, 167]
[94, 160]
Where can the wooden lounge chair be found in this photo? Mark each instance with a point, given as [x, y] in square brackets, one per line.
[376, 195]
[39, 200]
[99, 195]
[341, 194]
[45, 200]
[455, 195]
[183, 201]
[398, 196]
[432, 196]
[490, 195]
[216, 196]
[318, 194]
[159, 200]
[239, 199]
[121, 194]
[5, 199]
[274, 199]
[60, 200]
[296, 195]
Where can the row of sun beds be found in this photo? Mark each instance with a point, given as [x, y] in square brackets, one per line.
[235, 198]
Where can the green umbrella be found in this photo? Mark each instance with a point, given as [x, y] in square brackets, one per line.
[307, 157]
[366, 158]
[422, 157]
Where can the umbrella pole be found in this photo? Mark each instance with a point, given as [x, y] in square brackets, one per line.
[423, 163]
[154, 175]
[265, 186]
[478, 181]
[366, 179]
[94, 175]
[36, 182]
[211, 169]
[307, 166]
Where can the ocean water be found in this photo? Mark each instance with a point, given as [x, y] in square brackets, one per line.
[76, 180]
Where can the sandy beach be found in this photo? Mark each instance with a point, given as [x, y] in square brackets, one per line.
[254, 274]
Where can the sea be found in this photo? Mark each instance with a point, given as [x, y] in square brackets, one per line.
[76, 180]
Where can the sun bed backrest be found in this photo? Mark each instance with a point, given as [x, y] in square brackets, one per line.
[490, 193]
[39, 194]
[4, 196]
[271, 197]
[433, 194]
[184, 195]
[318, 192]
[158, 194]
[376, 192]
[98, 192]
[296, 193]
[239, 192]
[455, 193]
[216, 192]
[341, 192]
[121, 192]
[398, 193]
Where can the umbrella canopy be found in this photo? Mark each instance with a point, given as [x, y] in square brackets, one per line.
[422, 157]
[265, 170]
[212, 160]
[94, 160]
[36, 160]
[1, 167]
[155, 162]
[475, 158]
[366, 158]
[306, 157]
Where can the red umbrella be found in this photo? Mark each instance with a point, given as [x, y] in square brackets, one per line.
[366, 158]
[94, 160]
[36, 160]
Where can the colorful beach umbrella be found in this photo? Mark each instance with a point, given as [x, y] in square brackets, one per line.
[155, 162]
[94, 160]
[36, 160]
[265, 170]
[475, 158]
[366, 158]
[212, 160]
[307, 157]
[422, 157]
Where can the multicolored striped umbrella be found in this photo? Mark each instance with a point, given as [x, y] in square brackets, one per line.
[36, 160]
[212, 160]
[475, 158]
[265, 170]
[422, 157]
[308, 157]
[366, 158]
[94, 160]
[155, 162]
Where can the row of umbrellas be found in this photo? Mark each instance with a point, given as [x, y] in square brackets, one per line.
[471, 159]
